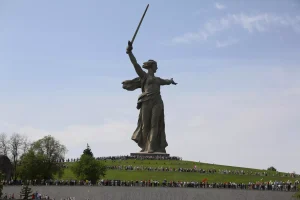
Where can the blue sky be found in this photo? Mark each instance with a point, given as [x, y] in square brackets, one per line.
[237, 64]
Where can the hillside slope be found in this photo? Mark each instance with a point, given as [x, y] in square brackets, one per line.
[144, 170]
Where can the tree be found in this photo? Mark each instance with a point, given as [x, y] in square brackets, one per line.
[26, 145]
[40, 162]
[4, 147]
[16, 142]
[32, 166]
[88, 151]
[51, 148]
[26, 192]
[272, 169]
[88, 168]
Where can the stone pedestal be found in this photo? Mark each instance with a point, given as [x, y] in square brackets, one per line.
[155, 154]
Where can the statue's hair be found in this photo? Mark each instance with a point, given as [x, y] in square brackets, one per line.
[149, 64]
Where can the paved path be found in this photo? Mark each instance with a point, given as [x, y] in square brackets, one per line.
[144, 193]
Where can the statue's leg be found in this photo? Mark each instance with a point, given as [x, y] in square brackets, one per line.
[154, 137]
[146, 124]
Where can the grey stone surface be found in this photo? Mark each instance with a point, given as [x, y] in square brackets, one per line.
[150, 154]
[138, 193]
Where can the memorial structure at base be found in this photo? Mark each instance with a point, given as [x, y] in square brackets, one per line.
[155, 154]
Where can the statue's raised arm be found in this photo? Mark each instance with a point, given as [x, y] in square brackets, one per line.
[137, 67]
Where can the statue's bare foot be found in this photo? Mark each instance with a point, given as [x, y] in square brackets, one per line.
[150, 151]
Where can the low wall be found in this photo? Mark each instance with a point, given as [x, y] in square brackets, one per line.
[144, 193]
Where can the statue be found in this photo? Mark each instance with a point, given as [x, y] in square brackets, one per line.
[150, 132]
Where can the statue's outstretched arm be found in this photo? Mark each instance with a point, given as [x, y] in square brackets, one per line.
[167, 81]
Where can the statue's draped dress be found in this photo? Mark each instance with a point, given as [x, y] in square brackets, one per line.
[150, 132]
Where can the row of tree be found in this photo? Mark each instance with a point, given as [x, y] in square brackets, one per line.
[38, 159]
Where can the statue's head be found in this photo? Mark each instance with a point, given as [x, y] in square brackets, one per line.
[150, 65]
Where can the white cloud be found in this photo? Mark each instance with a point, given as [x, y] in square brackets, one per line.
[219, 6]
[190, 37]
[229, 42]
[251, 23]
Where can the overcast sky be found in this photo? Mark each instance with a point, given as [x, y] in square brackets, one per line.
[237, 64]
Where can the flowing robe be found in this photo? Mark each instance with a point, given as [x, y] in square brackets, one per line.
[154, 138]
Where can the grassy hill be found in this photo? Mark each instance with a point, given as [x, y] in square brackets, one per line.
[183, 176]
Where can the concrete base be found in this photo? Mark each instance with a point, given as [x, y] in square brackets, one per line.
[145, 154]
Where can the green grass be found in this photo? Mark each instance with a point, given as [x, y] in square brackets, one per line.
[181, 176]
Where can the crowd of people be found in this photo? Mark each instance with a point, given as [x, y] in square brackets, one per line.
[126, 158]
[257, 173]
[275, 186]
[197, 170]
[270, 185]
[161, 169]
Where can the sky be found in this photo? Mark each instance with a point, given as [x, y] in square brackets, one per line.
[237, 64]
